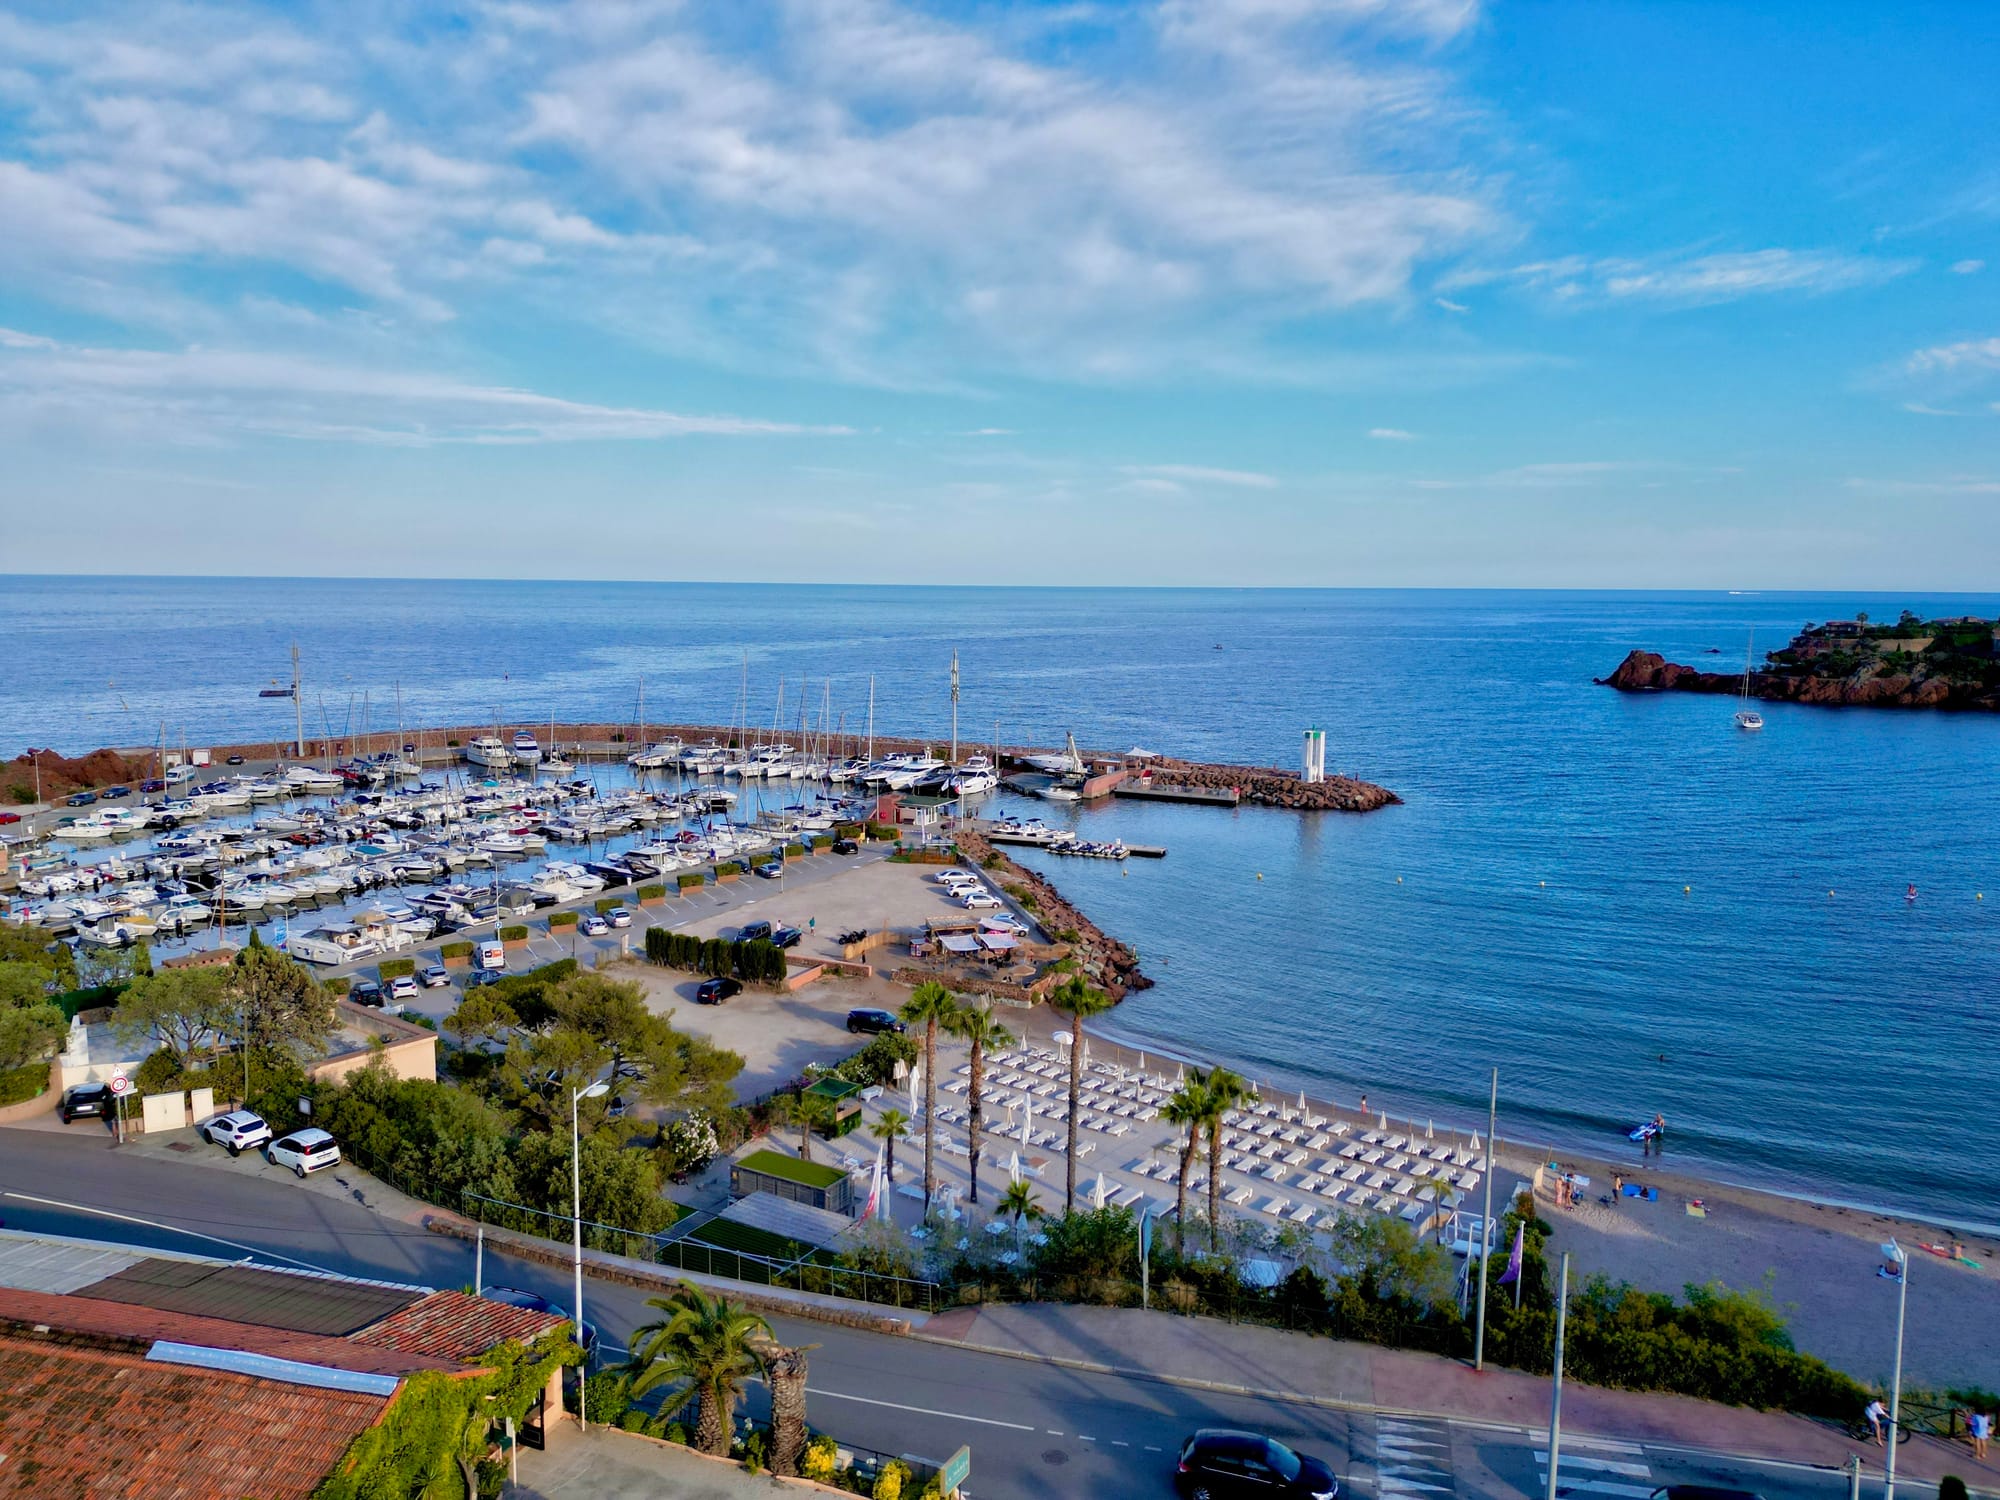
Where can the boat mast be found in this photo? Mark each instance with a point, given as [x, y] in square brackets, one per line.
[298, 707]
[642, 713]
[954, 707]
[871, 718]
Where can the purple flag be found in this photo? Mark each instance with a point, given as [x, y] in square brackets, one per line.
[1513, 1271]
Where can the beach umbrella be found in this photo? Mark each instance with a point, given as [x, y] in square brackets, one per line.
[1027, 1121]
[1142, 1062]
[1098, 1193]
[1383, 1123]
[1430, 1134]
[1302, 1101]
[916, 1083]
[1475, 1140]
[1013, 1166]
[1180, 1075]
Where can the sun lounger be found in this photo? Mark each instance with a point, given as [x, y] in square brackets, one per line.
[1402, 1186]
[910, 1190]
[1319, 1142]
[1295, 1156]
[1359, 1197]
[1373, 1155]
[1354, 1173]
[1352, 1149]
[1468, 1181]
[1274, 1173]
[1240, 1197]
[1388, 1203]
[1304, 1213]
[1413, 1212]
[1374, 1137]
[1379, 1180]
[1277, 1208]
[1312, 1184]
[1397, 1162]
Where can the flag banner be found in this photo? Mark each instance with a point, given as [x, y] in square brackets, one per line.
[1513, 1271]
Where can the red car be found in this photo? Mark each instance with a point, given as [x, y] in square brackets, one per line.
[7, 817]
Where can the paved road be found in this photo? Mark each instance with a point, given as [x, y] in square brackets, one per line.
[1034, 1429]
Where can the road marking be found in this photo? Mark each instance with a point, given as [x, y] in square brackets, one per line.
[216, 1239]
[1604, 1465]
[1606, 1487]
[1052, 1432]
[1609, 1445]
[1151, 1449]
[1120, 1443]
[1082, 1439]
[926, 1411]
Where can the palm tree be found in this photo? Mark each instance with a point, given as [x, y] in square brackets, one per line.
[930, 1005]
[1225, 1091]
[808, 1112]
[975, 1025]
[707, 1346]
[1079, 1002]
[1440, 1179]
[1189, 1108]
[890, 1127]
[785, 1369]
[1018, 1203]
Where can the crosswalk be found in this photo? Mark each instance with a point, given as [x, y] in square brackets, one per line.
[1598, 1466]
[1412, 1459]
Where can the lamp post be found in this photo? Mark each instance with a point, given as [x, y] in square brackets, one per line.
[577, 1096]
[1556, 1390]
[1486, 1226]
[1901, 1257]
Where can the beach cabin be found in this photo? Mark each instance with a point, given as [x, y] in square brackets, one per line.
[787, 1177]
[842, 1103]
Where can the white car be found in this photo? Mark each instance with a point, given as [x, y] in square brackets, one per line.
[403, 987]
[592, 925]
[981, 900]
[239, 1130]
[304, 1151]
[618, 916]
[955, 877]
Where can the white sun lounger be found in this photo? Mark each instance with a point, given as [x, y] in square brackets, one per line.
[1240, 1197]
[1359, 1197]
[1354, 1173]
[1277, 1208]
[1379, 1180]
[1304, 1213]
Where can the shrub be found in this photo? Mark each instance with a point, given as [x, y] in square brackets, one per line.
[822, 841]
[459, 949]
[822, 1459]
[607, 1398]
[609, 904]
[514, 933]
[691, 880]
[761, 962]
[18, 1085]
[339, 986]
[795, 851]
[728, 867]
[876, 1062]
[883, 832]
[452, 743]
[889, 1483]
[652, 892]
[395, 968]
[850, 830]
[562, 919]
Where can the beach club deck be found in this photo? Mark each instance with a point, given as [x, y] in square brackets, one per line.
[1281, 1163]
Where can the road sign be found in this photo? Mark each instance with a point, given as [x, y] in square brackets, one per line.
[957, 1469]
[120, 1085]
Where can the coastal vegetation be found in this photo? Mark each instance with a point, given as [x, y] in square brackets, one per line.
[759, 961]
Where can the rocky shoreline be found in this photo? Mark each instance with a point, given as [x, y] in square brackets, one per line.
[1109, 964]
[1649, 672]
[1265, 786]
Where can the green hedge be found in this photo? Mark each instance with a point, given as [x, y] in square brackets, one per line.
[513, 934]
[822, 841]
[456, 950]
[728, 867]
[652, 892]
[610, 903]
[849, 831]
[562, 919]
[339, 986]
[882, 832]
[395, 968]
[761, 962]
[690, 881]
[795, 851]
[19, 1085]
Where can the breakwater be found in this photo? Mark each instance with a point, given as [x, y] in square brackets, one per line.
[1109, 964]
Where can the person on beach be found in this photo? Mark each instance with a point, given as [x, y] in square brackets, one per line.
[1980, 1423]
[1617, 1187]
[1877, 1414]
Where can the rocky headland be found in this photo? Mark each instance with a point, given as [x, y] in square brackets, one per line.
[1872, 685]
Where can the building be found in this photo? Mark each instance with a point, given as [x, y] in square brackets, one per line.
[138, 1372]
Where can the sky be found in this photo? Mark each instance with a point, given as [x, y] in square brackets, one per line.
[1224, 292]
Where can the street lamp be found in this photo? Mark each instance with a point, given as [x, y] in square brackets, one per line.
[577, 1096]
[1898, 1257]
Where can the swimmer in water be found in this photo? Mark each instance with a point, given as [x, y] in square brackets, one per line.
[1911, 893]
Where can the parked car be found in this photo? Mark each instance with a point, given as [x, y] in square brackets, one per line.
[590, 924]
[85, 1099]
[304, 1151]
[1220, 1463]
[10, 817]
[1703, 1492]
[152, 784]
[787, 937]
[239, 1130]
[955, 877]
[235, 760]
[771, 869]
[751, 932]
[981, 900]
[365, 992]
[480, 978]
[513, 1296]
[434, 976]
[403, 987]
[715, 991]
[80, 799]
[618, 916]
[871, 1022]
[113, 793]
[846, 846]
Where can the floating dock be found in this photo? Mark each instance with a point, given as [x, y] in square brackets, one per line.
[1056, 845]
[1159, 791]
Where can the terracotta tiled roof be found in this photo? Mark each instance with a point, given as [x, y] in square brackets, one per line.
[144, 1325]
[455, 1325]
[84, 1421]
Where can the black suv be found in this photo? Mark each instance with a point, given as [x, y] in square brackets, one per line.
[85, 1099]
[787, 937]
[875, 1022]
[750, 932]
[366, 992]
[1219, 1463]
[715, 991]
[845, 846]
[113, 793]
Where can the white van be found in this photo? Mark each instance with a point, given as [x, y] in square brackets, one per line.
[490, 956]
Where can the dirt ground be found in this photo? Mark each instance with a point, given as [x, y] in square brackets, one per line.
[871, 897]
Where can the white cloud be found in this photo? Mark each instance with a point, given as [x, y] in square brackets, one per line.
[1967, 267]
[1922, 410]
[1691, 279]
[1392, 435]
[989, 432]
[1196, 474]
[1969, 355]
[1953, 485]
[1450, 306]
[200, 394]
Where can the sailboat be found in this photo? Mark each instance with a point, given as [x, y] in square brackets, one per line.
[1746, 716]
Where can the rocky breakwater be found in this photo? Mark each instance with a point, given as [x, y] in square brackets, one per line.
[1108, 964]
[1871, 685]
[1269, 787]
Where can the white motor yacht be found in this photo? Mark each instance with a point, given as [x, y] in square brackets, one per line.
[488, 751]
[526, 752]
[309, 779]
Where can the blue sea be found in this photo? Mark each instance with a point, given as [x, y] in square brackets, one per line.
[1621, 902]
